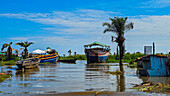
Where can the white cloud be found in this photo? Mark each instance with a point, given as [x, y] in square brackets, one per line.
[156, 4]
[24, 38]
[85, 26]
[150, 25]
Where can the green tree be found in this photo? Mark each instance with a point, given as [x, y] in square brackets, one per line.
[48, 48]
[25, 45]
[119, 26]
[9, 50]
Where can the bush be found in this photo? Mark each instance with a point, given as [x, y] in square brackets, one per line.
[78, 57]
[127, 57]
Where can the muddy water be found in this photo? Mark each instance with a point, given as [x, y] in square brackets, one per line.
[65, 77]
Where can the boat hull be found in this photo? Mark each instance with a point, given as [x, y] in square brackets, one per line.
[96, 55]
[48, 58]
[96, 59]
[34, 65]
[28, 63]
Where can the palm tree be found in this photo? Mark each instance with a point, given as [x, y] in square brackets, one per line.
[75, 53]
[9, 50]
[25, 45]
[69, 51]
[119, 26]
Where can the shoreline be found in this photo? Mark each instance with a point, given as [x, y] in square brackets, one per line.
[101, 93]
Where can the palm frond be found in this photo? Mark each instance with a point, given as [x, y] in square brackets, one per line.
[129, 26]
[10, 43]
[107, 24]
[108, 30]
[113, 38]
[29, 43]
[20, 43]
[4, 46]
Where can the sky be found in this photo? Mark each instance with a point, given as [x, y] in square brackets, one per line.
[70, 24]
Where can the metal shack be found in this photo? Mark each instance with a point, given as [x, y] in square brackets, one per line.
[154, 65]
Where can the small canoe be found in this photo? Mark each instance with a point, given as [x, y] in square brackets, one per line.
[68, 61]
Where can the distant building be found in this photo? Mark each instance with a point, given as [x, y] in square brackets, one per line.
[147, 50]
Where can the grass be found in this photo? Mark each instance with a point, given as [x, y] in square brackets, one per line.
[78, 57]
[45, 63]
[11, 62]
[116, 61]
[3, 77]
[4, 60]
[132, 65]
[117, 72]
[111, 58]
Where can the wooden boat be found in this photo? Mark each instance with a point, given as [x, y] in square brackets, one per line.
[28, 63]
[49, 58]
[68, 61]
[96, 54]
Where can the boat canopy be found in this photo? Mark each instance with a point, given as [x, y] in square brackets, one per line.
[2, 53]
[96, 43]
[38, 51]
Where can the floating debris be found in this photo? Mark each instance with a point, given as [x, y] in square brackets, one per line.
[153, 87]
[117, 72]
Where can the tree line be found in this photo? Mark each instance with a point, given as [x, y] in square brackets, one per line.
[25, 46]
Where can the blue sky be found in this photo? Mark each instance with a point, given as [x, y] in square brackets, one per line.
[70, 24]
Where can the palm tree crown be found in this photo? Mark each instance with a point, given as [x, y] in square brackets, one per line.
[9, 50]
[69, 51]
[25, 45]
[118, 26]
[5, 46]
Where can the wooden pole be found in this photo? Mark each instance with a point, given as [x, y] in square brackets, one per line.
[153, 48]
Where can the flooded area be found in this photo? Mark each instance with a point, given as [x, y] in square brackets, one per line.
[66, 77]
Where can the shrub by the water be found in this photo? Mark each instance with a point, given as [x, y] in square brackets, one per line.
[78, 57]
[111, 58]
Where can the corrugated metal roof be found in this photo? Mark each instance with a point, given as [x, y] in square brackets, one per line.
[140, 58]
[95, 43]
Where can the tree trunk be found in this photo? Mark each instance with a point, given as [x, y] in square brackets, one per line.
[117, 54]
[121, 57]
[9, 53]
[26, 53]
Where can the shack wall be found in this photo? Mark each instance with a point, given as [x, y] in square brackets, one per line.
[158, 66]
[146, 65]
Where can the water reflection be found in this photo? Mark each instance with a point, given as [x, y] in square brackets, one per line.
[95, 77]
[26, 72]
[120, 83]
[97, 67]
[63, 77]
[100, 81]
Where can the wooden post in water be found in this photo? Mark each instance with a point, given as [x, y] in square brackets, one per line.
[23, 69]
